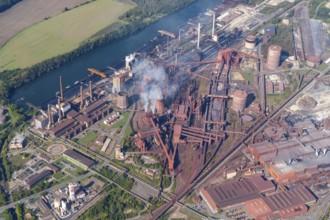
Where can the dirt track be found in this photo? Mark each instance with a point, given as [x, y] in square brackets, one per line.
[29, 12]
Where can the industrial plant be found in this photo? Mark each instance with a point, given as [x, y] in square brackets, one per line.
[234, 122]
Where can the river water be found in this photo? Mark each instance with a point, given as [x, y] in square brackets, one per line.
[46, 86]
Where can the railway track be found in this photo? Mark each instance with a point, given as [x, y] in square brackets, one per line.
[224, 156]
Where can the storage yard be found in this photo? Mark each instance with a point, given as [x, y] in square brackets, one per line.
[202, 114]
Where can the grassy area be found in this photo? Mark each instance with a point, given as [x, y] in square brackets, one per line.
[121, 122]
[89, 138]
[59, 175]
[19, 160]
[277, 99]
[77, 171]
[269, 9]
[312, 6]
[60, 34]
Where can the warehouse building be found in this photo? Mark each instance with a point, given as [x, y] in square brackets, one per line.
[78, 159]
[235, 193]
[36, 178]
[259, 198]
[281, 205]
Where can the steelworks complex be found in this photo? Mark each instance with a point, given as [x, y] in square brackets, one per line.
[193, 101]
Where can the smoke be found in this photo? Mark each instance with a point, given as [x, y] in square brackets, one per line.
[154, 83]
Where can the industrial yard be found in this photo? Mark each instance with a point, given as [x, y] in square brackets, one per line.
[215, 121]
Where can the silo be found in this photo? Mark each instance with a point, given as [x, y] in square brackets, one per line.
[160, 107]
[239, 100]
[250, 41]
[57, 203]
[274, 56]
[122, 100]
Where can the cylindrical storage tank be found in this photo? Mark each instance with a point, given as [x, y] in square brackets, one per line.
[57, 203]
[64, 206]
[239, 100]
[160, 106]
[274, 56]
[250, 42]
[122, 100]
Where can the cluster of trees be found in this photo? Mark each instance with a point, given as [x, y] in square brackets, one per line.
[249, 2]
[17, 213]
[284, 38]
[11, 79]
[151, 9]
[121, 179]
[5, 4]
[113, 206]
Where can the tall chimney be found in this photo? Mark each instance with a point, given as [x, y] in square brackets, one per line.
[50, 117]
[59, 110]
[61, 89]
[90, 90]
[213, 24]
[81, 98]
[198, 35]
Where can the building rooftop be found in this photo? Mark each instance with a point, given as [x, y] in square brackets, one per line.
[34, 179]
[79, 157]
[237, 192]
[93, 107]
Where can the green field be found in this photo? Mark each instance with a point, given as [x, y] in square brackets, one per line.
[60, 34]
[89, 138]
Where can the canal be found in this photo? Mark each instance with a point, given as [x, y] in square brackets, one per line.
[46, 86]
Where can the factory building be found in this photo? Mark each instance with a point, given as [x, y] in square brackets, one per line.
[77, 122]
[118, 83]
[122, 100]
[313, 61]
[259, 198]
[78, 159]
[250, 42]
[273, 57]
[36, 178]
[239, 100]
[234, 193]
[160, 106]
[281, 205]
[17, 142]
[303, 156]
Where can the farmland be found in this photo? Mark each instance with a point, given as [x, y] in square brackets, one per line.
[60, 34]
[28, 12]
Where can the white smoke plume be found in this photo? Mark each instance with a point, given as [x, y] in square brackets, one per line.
[153, 81]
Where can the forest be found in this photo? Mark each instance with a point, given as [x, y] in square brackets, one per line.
[117, 204]
[5, 4]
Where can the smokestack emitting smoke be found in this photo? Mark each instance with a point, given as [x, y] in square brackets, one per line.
[154, 83]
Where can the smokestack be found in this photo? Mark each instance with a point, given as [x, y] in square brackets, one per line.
[90, 90]
[198, 35]
[50, 117]
[81, 98]
[213, 24]
[59, 110]
[61, 89]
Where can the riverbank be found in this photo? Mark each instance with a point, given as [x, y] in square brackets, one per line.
[13, 79]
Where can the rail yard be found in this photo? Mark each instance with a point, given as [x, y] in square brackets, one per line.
[217, 121]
